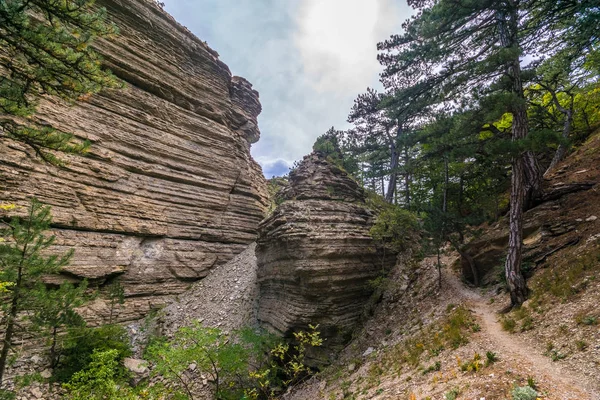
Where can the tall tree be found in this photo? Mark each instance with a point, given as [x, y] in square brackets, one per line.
[45, 50]
[381, 123]
[459, 49]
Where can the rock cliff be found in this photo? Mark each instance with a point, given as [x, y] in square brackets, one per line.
[315, 255]
[169, 189]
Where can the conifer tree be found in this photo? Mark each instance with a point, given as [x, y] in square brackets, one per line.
[452, 50]
[53, 309]
[456, 51]
[116, 295]
[22, 264]
[45, 50]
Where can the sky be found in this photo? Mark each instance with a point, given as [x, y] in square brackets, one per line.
[308, 59]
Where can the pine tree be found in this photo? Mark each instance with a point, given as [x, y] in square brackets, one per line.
[453, 50]
[53, 309]
[456, 51]
[116, 295]
[45, 50]
[22, 264]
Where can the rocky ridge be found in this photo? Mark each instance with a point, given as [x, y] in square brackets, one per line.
[315, 254]
[169, 189]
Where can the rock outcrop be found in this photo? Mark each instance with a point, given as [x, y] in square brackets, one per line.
[169, 189]
[315, 254]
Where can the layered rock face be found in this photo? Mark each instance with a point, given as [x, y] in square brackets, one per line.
[315, 255]
[169, 189]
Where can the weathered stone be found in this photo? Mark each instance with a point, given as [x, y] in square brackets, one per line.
[315, 254]
[169, 189]
[136, 366]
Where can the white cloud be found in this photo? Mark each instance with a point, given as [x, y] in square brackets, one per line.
[337, 41]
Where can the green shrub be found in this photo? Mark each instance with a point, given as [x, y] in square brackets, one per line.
[508, 324]
[6, 394]
[395, 228]
[586, 319]
[473, 365]
[524, 393]
[102, 379]
[244, 364]
[455, 330]
[452, 395]
[81, 343]
[432, 368]
[581, 345]
[490, 358]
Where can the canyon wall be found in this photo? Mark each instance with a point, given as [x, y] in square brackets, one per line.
[316, 257]
[169, 189]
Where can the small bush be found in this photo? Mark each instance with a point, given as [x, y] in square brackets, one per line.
[555, 355]
[396, 229]
[473, 365]
[581, 345]
[527, 324]
[432, 368]
[101, 379]
[454, 331]
[245, 363]
[524, 393]
[509, 324]
[452, 395]
[490, 358]
[6, 394]
[81, 343]
[583, 319]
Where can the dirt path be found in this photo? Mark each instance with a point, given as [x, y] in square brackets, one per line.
[566, 385]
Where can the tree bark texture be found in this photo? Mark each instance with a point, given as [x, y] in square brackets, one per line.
[526, 179]
[391, 189]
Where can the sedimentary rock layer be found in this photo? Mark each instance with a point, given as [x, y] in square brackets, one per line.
[315, 254]
[169, 189]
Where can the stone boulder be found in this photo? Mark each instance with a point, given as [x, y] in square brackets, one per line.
[315, 255]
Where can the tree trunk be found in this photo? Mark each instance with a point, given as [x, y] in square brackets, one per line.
[514, 278]
[526, 179]
[472, 265]
[446, 179]
[439, 267]
[10, 326]
[507, 29]
[562, 149]
[389, 196]
[533, 179]
[406, 178]
[53, 358]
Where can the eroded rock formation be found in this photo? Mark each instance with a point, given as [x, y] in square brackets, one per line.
[315, 254]
[169, 189]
